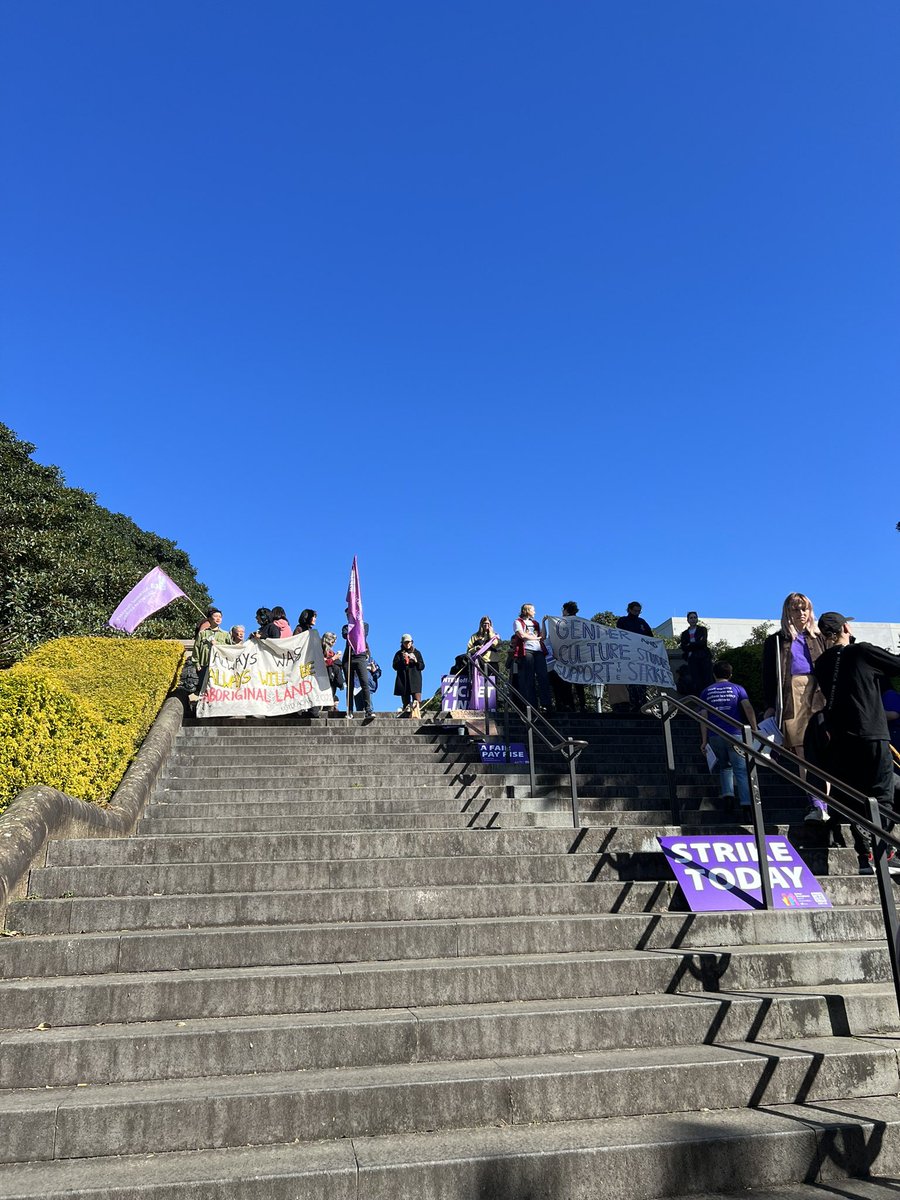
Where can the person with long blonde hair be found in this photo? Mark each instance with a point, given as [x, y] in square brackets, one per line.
[790, 690]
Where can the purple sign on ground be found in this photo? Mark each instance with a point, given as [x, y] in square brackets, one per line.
[721, 874]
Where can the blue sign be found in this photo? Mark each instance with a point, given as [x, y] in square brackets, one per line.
[494, 752]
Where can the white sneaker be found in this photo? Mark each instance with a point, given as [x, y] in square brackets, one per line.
[814, 813]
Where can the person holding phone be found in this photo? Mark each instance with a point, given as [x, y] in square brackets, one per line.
[409, 665]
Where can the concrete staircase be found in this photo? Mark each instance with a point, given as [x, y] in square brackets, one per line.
[347, 962]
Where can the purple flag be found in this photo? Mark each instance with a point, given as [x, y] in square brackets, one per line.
[356, 629]
[154, 592]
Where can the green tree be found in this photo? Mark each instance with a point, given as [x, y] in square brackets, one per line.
[66, 562]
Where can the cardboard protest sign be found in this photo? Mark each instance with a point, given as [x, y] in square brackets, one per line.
[721, 873]
[267, 678]
[589, 653]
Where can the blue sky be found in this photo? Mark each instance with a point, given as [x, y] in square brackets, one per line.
[518, 302]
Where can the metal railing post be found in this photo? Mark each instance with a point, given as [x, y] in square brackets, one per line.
[573, 781]
[759, 828]
[671, 777]
[506, 698]
[886, 896]
[530, 734]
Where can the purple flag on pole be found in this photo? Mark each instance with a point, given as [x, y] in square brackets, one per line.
[356, 629]
[154, 592]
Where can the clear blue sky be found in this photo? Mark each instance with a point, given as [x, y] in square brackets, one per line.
[517, 301]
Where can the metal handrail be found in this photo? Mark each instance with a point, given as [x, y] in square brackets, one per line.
[666, 707]
[765, 759]
[569, 747]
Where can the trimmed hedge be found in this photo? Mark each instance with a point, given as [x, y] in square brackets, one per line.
[74, 711]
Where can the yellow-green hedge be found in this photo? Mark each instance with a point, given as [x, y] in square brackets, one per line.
[74, 711]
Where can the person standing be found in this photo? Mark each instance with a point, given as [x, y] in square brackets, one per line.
[207, 632]
[790, 690]
[306, 621]
[279, 619]
[356, 666]
[530, 659]
[409, 665]
[695, 648]
[267, 626]
[332, 666]
[633, 622]
[731, 700]
[859, 748]
[568, 697]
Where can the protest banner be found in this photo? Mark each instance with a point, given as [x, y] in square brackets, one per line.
[152, 593]
[589, 653]
[271, 677]
[721, 873]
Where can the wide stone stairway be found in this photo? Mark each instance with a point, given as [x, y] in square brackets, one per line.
[346, 961]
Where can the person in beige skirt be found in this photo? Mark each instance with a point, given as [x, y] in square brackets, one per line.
[790, 690]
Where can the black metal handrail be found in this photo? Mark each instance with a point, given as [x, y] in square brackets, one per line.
[666, 707]
[570, 748]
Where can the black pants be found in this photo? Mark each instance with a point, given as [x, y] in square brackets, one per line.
[532, 679]
[568, 697]
[357, 667]
[866, 765]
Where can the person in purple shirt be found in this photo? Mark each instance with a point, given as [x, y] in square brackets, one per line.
[732, 701]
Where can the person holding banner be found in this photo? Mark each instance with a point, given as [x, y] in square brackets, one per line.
[636, 694]
[530, 659]
[568, 697]
[333, 666]
[206, 633]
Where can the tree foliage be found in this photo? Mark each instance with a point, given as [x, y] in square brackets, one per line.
[66, 562]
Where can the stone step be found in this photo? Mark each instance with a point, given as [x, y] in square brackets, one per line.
[402, 904]
[108, 1054]
[345, 803]
[470, 871]
[775, 1147]
[620, 841]
[654, 818]
[243, 1110]
[114, 975]
[156, 948]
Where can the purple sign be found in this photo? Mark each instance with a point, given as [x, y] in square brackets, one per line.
[721, 874]
[454, 692]
[477, 690]
[493, 752]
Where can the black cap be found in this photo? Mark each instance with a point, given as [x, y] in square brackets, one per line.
[832, 623]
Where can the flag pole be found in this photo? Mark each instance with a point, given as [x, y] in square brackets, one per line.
[197, 606]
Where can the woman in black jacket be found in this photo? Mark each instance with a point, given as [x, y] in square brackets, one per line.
[409, 665]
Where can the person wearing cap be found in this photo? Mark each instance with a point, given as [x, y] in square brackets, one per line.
[849, 674]
[409, 665]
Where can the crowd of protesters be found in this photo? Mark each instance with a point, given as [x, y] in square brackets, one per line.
[827, 699]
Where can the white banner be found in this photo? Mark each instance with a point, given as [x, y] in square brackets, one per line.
[588, 653]
[266, 678]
